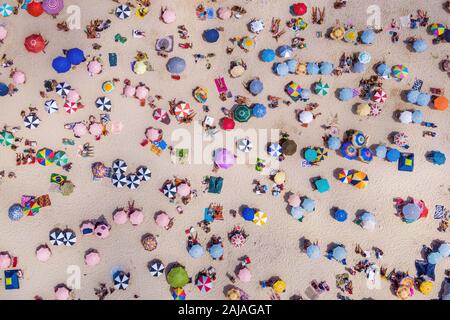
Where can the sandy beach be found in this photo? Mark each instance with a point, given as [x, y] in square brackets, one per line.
[274, 248]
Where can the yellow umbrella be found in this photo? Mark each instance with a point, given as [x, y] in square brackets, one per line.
[426, 287]
[350, 35]
[247, 43]
[363, 109]
[403, 292]
[279, 286]
[237, 71]
[139, 67]
[337, 33]
[260, 218]
[108, 86]
[280, 177]
[301, 68]
[233, 294]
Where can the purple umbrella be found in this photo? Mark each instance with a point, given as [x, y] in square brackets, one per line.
[224, 158]
[53, 7]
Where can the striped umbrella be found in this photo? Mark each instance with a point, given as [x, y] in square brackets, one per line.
[161, 115]
[260, 218]
[322, 153]
[63, 89]
[321, 88]
[143, 173]
[345, 176]
[437, 29]
[182, 110]
[245, 145]
[31, 121]
[6, 9]
[133, 181]
[359, 179]
[400, 71]
[119, 180]
[379, 96]
[51, 106]
[375, 109]
[103, 104]
[45, 156]
[275, 150]
[204, 284]
[61, 158]
[119, 166]
[293, 89]
[6, 138]
[56, 237]
[123, 11]
[401, 139]
[70, 107]
[169, 190]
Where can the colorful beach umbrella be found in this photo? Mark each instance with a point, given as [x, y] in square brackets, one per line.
[45, 156]
[293, 89]
[6, 138]
[223, 158]
[359, 140]
[345, 176]
[379, 96]
[275, 150]
[204, 284]
[70, 107]
[178, 293]
[359, 179]
[242, 113]
[34, 43]
[401, 139]
[182, 110]
[260, 218]
[61, 158]
[349, 151]
[6, 9]
[365, 155]
[400, 71]
[321, 88]
[437, 29]
[322, 153]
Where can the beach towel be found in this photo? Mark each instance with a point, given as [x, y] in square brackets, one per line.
[439, 211]
[221, 85]
[417, 85]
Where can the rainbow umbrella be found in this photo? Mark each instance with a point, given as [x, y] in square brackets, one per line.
[400, 71]
[260, 218]
[61, 158]
[345, 176]
[6, 138]
[349, 151]
[31, 209]
[437, 29]
[359, 140]
[293, 89]
[322, 153]
[365, 155]
[178, 294]
[45, 156]
[359, 179]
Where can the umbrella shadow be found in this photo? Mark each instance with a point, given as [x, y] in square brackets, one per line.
[332, 245]
[358, 215]
[403, 95]
[333, 212]
[396, 115]
[302, 242]
[227, 288]
[285, 198]
[89, 251]
[355, 108]
[336, 173]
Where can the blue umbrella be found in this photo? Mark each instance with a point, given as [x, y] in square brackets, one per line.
[196, 251]
[15, 212]
[420, 45]
[4, 90]
[412, 96]
[345, 94]
[309, 205]
[444, 249]
[267, 55]
[326, 68]
[285, 51]
[434, 258]
[437, 157]
[334, 143]
[340, 215]
[339, 253]
[211, 35]
[417, 116]
[367, 216]
[312, 68]
[248, 214]
[393, 155]
[381, 151]
[383, 70]
[61, 64]
[447, 35]
[411, 212]
[259, 110]
[313, 251]
[364, 57]
[75, 56]
[176, 65]
[423, 100]
[216, 251]
[310, 155]
[292, 65]
[281, 69]
[297, 212]
[255, 87]
[305, 94]
[368, 36]
[358, 67]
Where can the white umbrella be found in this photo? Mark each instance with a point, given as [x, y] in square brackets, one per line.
[119, 180]
[103, 104]
[51, 106]
[119, 166]
[70, 238]
[133, 181]
[305, 117]
[143, 173]
[157, 269]
[63, 89]
[245, 145]
[275, 150]
[256, 26]
[123, 11]
[31, 121]
[56, 237]
[405, 117]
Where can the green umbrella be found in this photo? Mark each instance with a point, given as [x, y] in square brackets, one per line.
[321, 88]
[61, 158]
[242, 113]
[6, 138]
[177, 277]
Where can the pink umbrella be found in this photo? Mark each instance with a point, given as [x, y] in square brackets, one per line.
[62, 293]
[136, 217]
[168, 16]
[80, 129]
[183, 189]
[19, 77]
[3, 33]
[224, 13]
[43, 253]
[294, 200]
[153, 134]
[379, 96]
[102, 231]
[129, 91]
[5, 260]
[96, 129]
[244, 275]
[223, 158]
[92, 258]
[94, 67]
[72, 96]
[53, 7]
[162, 220]
[141, 92]
[120, 217]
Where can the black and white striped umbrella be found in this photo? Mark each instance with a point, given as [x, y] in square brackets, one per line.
[63, 89]
[121, 280]
[103, 104]
[119, 180]
[245, 145]
[70, 238]
[56, 237]
[170, 190]
[123, 11]
[119, 166]
[51, 106]
[31, 121]
[133, 181]
[156, 269]
[143, 173]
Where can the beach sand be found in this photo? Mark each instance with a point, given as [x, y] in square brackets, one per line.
[274, 249]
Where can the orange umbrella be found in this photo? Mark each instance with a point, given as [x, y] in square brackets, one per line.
[441, 103]
[35, 43]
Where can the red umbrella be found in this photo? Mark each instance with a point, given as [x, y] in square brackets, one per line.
[228, 124]
[299, 8]
[35, 9]
[35, 43]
